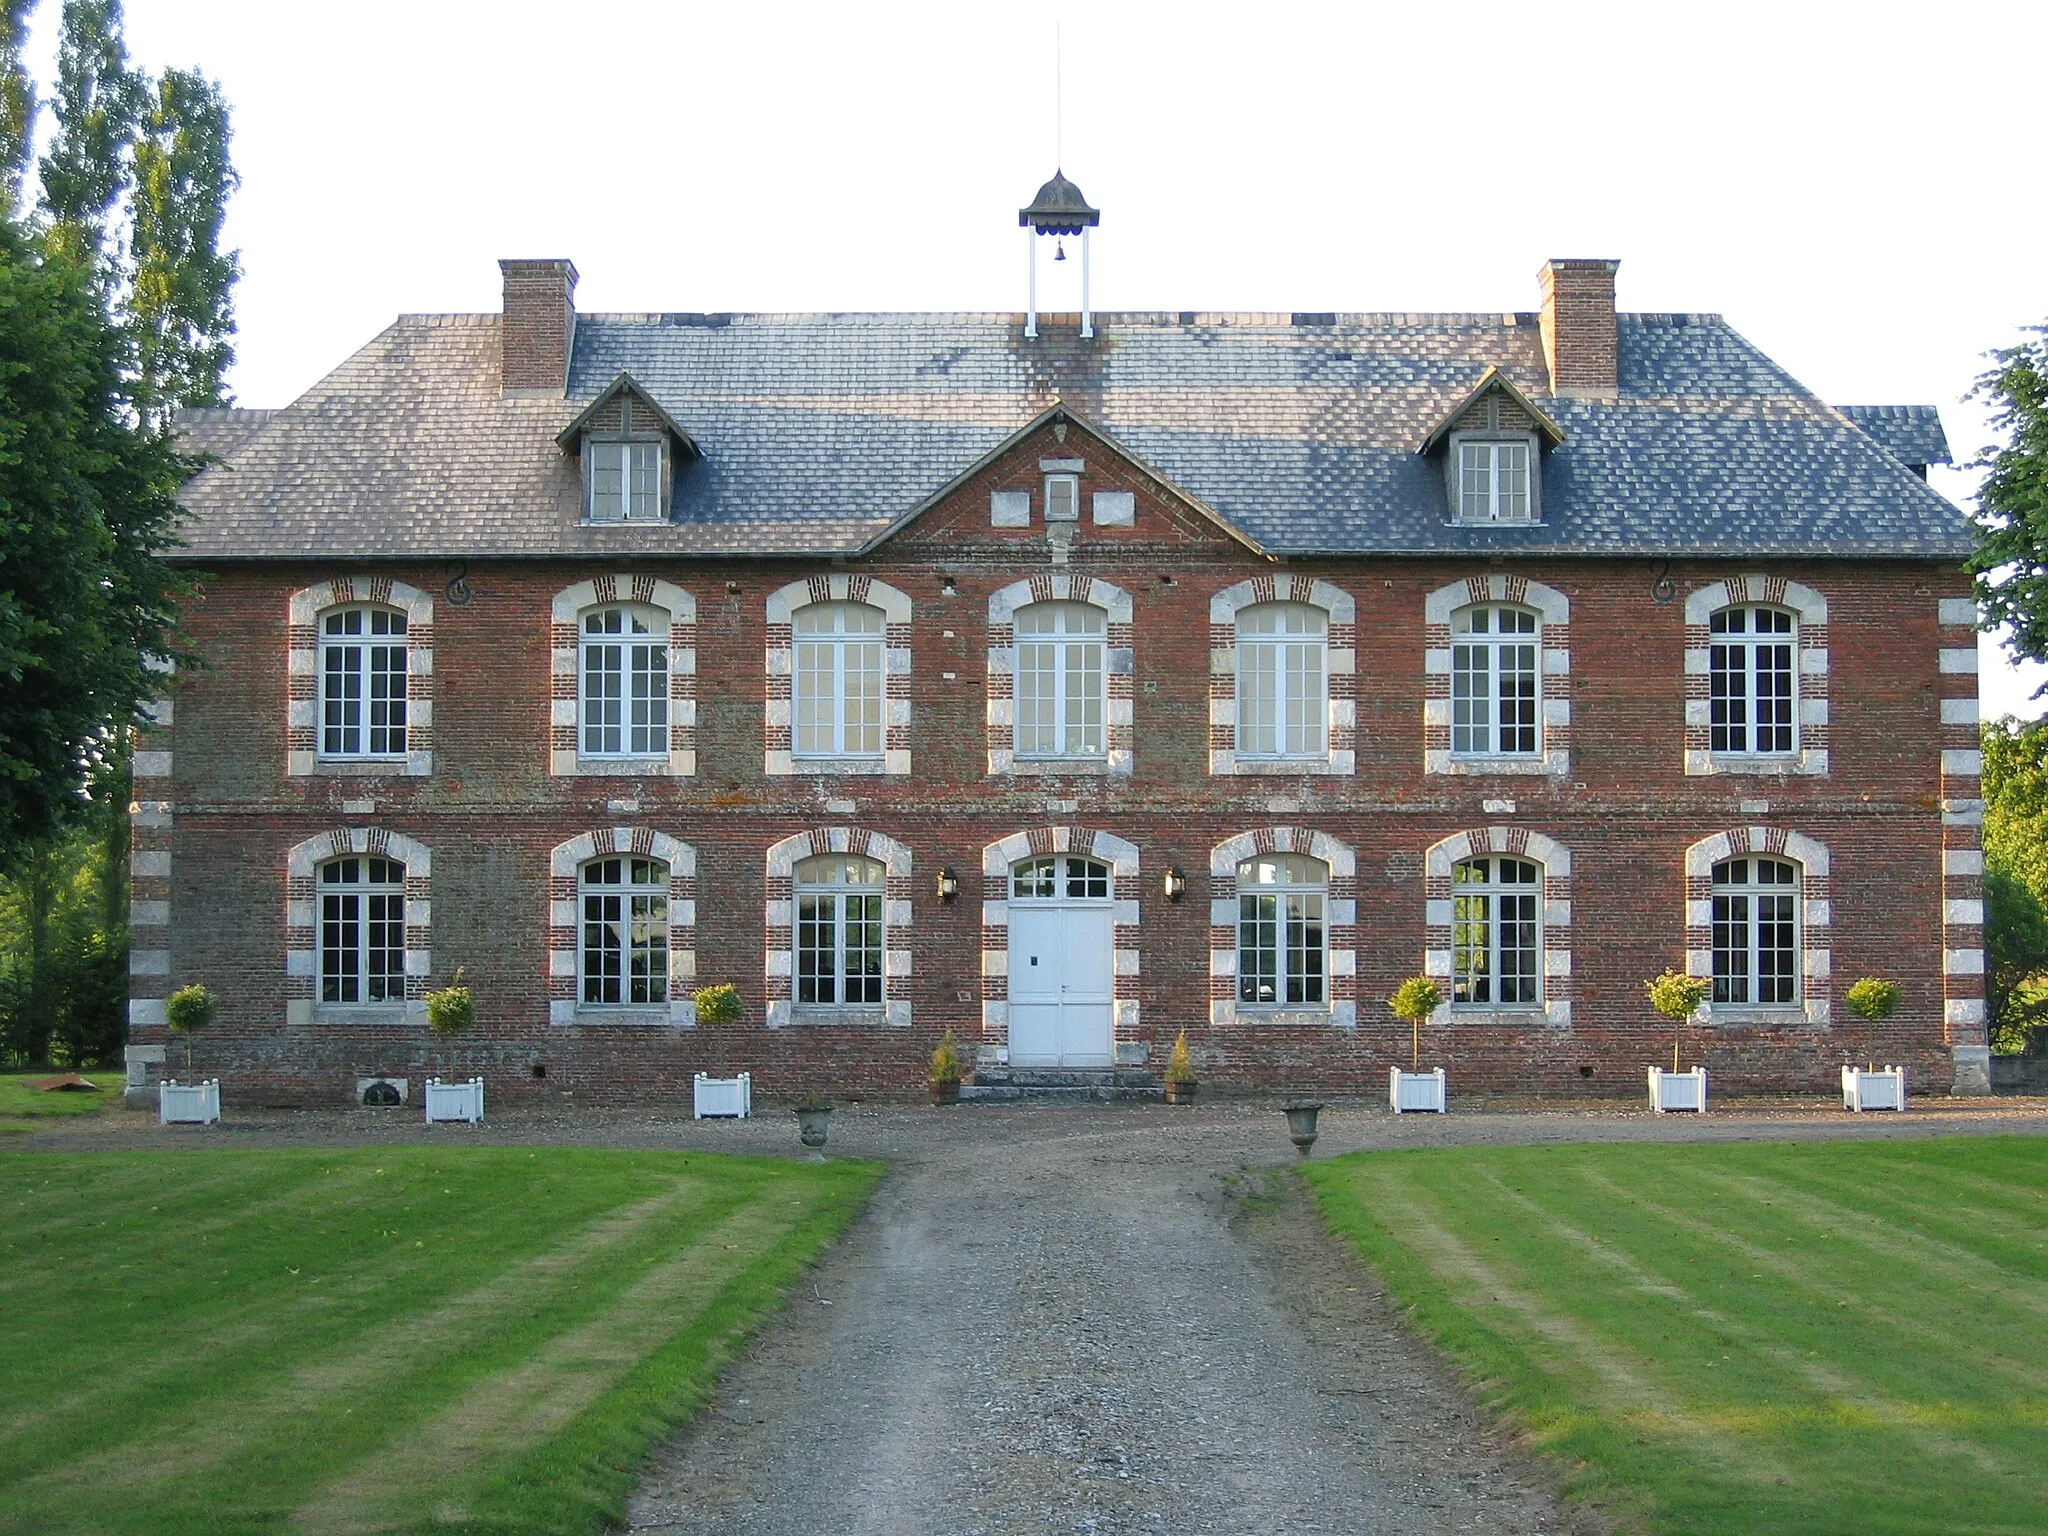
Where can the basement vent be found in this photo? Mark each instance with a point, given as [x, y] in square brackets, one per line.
[382, 1093]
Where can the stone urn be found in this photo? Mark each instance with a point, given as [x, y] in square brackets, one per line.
[812, 1121]
[1301, 1124]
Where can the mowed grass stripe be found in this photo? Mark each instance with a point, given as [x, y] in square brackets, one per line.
[621, 1277]
[1719, 1273]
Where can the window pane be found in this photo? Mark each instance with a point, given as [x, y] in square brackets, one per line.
[1512, 460]
[643, 489]
[1258, 698]
[1496, 933]
[607, 481]
[1475, 482]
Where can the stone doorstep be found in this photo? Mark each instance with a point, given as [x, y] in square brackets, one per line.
[1061, 1085]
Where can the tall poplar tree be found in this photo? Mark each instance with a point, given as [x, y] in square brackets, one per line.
[88, 166]
[180, 307]
[2011, 562]
[17, 104]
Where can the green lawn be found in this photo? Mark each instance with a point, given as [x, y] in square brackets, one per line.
[1819, 1337]
[408, 1339]
[22, 1106]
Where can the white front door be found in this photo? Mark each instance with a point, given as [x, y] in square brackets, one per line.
[1061, 985]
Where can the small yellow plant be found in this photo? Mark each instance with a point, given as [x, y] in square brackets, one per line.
[946, 1059]
[1179, 1069]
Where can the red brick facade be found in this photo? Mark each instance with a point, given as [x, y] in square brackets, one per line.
[1893, 812]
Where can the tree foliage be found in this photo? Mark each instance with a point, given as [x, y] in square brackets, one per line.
[2011, 563]
[17, 104]
[89, 165]
[180, 303]
[2016, 882]
[86, 505]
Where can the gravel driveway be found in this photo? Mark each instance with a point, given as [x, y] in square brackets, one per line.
[1106, 1319]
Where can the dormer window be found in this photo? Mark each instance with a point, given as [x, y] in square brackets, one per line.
[625, 481]
[1493, 480]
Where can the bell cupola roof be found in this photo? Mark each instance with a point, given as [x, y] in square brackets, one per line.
[1059, 209]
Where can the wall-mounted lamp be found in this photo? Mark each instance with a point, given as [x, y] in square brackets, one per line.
[732, 586]
[1176, 885]
[949, 884]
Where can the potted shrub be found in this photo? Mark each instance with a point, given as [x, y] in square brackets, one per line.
[813, 1117]
[452, 1010]
[945, 1070]
[1873, 1000]
[721, 1098]
[1415, 1000]
[1678, 996]
[188, 1011]
[1181, 1082]
[718, 1004]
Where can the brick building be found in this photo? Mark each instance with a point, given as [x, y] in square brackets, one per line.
[1067, 681]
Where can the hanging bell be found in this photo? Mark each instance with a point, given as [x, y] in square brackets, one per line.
[1059, 250]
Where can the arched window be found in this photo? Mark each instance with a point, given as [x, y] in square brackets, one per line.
[1496, 709]
[362, 930]
[1058, 877]
[1281, 932]
[1753, 685]
[838, 678]
[1756, 931]
[1060, 682]
[838, 931]
[1283, 702]
[623, 958]
[1496, 933]
[623, 693]
[363, 670]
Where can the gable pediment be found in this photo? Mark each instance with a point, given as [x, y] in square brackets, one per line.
[624, 409]
[1494, 404]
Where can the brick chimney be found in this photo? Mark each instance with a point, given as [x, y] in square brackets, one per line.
[1578, 328]
[538, 327]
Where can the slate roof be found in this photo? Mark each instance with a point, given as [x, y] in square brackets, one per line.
[820, 432]
[1909, 433]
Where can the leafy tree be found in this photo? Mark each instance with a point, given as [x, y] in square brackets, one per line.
[17, 103]
[2016, 881]
[179, 303]
[2011, 563]
[86, 505]
[88, 166]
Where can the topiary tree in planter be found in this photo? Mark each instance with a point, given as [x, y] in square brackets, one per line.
[944, 1072]
[1415, 1000]
[1677, 996]
[1873, 1001]
[452, 1010]
[718, 1004]
[1181, 1083]
[188, 1011]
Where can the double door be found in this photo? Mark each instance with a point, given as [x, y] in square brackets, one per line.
[1062, 989]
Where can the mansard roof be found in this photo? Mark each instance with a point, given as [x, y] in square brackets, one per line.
[820, 433]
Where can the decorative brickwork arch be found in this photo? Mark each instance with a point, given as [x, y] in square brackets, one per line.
[1340, 919]
[1554, 665]
[1118, 661]
[565, 864]
[897, 910]
[302, 669]
[565, 658]
[301, 898]
[997, 858]
[1811, 664]
[1816, 916]
[1555, 860]
[1340, 672]
[780, 760]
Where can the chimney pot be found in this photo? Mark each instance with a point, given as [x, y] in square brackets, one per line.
[1579, 332]
[538, 327]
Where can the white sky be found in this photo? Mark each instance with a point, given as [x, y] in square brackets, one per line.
[1856, 186]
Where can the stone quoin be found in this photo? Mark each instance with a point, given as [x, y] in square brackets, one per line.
[1200, 671]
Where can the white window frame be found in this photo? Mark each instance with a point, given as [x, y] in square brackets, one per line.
[838, 647]
[364, 675]
[1069, 876]
[809, 889]
[1273, 678]
[1751, 676]
[638, 502]
[1472, 453]
[1065, 640]
[1787, 898]
[372, 904]
[1487, 892]
[1299, 898]
[1064, 492]
[1465, 646]
[635, 932]
[642, 676]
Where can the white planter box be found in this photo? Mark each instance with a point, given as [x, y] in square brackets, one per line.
[1882, 1089]
[1416, 1092]
[188, 1103]
[724, 1098]
[1678, 1090]
[455, 1101]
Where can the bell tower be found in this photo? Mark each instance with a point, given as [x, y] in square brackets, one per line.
[1058, 210]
